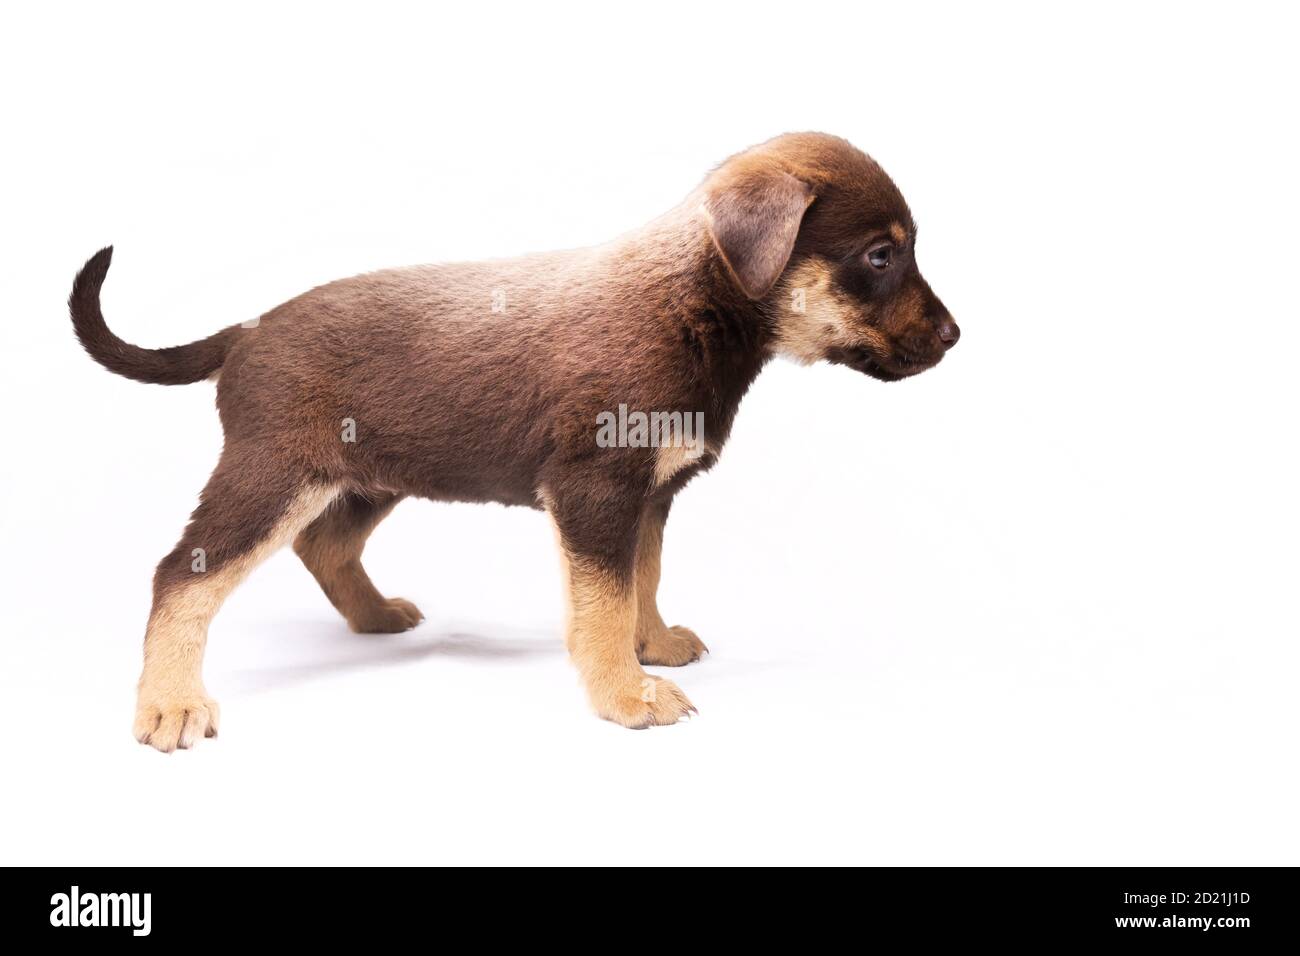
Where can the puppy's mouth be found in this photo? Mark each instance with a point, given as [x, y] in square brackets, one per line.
[897, 366]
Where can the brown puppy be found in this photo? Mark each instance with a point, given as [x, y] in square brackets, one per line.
[567, 381]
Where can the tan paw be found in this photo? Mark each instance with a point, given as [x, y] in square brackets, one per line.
[169, 723]
[653, 701]
[671, 647]
[390, 617]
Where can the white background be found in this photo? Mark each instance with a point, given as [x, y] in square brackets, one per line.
[1035, 606]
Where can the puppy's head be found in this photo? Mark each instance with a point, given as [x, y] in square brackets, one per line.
[813, 231]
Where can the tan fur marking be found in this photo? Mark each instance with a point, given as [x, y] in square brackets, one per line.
[173, 709]
[813, 315]
[648, 554]
[897, 233]
[670, 459]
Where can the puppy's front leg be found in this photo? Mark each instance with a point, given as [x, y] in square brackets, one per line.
[598, 546]
[656, 642]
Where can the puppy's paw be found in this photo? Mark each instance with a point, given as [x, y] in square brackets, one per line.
[653, 701]
[169, 722]
[389, 617]
[671, 647]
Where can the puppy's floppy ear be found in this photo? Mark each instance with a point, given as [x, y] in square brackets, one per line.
[754, 218]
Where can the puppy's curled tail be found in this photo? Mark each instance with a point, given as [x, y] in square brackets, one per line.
[178, 365]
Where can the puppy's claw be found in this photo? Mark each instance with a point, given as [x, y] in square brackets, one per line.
[667, 705]
[175, 722]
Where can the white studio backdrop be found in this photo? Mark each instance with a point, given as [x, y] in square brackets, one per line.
[1034, 606]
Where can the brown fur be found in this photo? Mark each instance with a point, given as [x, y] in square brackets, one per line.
[331, 548]
[483, 382]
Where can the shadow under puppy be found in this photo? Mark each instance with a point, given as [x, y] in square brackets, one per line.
[489, 381]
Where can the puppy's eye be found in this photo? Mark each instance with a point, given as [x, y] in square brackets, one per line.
[880, 256]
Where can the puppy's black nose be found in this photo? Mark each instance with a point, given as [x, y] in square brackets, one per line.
[949, 333]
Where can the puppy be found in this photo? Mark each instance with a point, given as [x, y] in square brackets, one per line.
[532, 382]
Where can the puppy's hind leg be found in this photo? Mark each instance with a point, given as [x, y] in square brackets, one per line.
[244, 514]
[331, 548]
